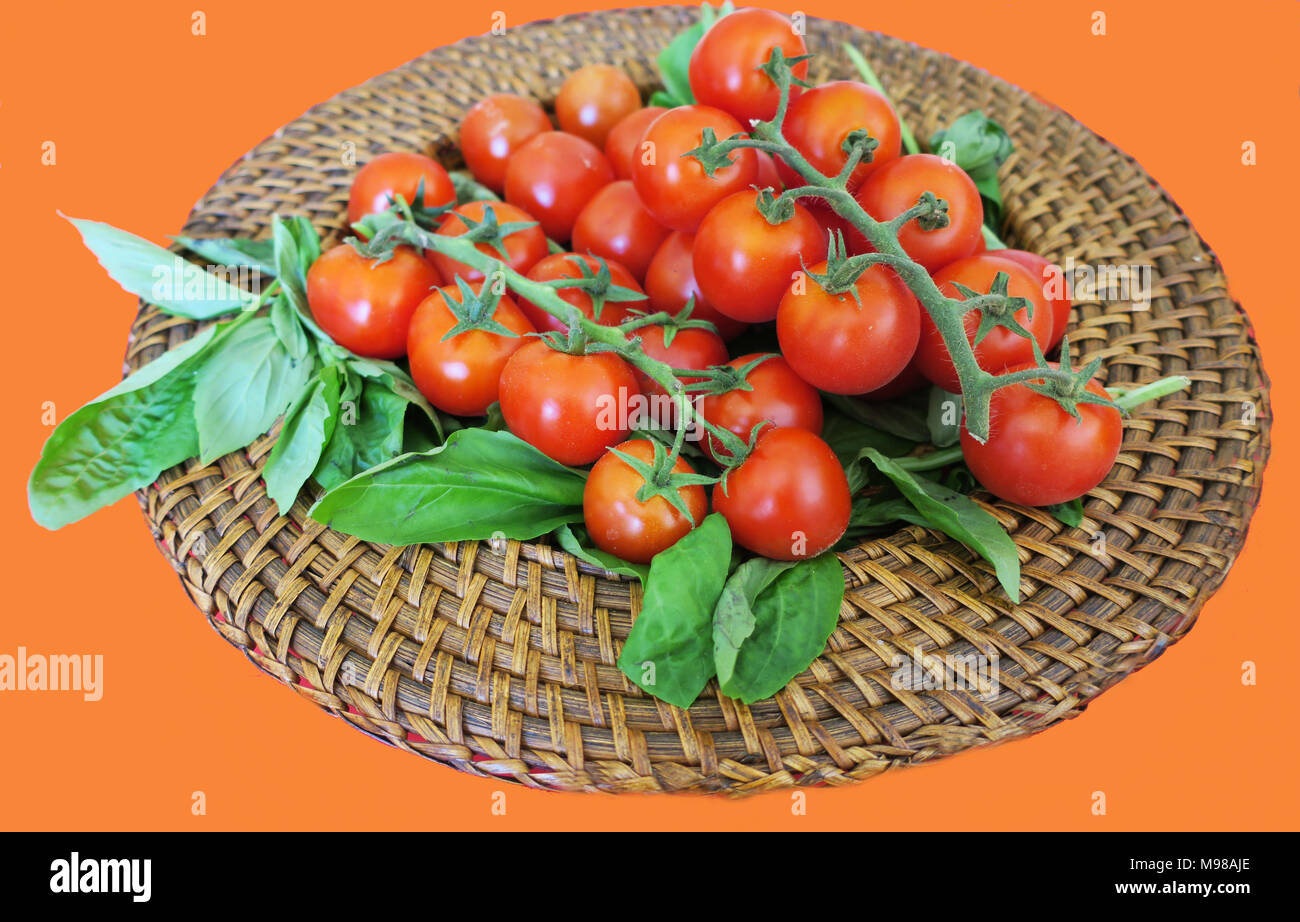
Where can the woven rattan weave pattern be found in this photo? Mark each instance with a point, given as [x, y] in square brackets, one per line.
[501, 661]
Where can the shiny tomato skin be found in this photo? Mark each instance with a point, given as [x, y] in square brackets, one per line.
[1037, 454]
[525, 248]
[365, 305]
[615, 225]
[744, 265]
[693, 347]
[674, 188]
[493, 129]
[897, 185]
[776, 394]
[461, 375]
[566, 406]
[593, 99]
[1001, 347]
[821, 118]
[623, 143]
[398, 173]
[670, 284]
[846, 346]
[622, 525]
[1054, 290]
[789, 500]
[552, 176]
[568, 266]
[724, 65]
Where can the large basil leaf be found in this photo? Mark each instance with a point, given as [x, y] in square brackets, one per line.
[902, 417]
[979, 146]
[369, 432]
[232, 251]
[848, 436]
[307, 428]
[669, 652]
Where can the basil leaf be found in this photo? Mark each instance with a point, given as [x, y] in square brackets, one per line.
[847, 437]
[668, 652]
[400, 383]
[468, 189]
[308, 426]
[576, 541]
[979, 146]
[1070, 513]
[246, 382]
[288, 265]
[791, 610]
[368, 432]
[232, 251]
[873, 513]
[675, 60]
[944, 418]
[960, 518]
[475, 486]
[159, 276]
[901, 417]
[288, 328]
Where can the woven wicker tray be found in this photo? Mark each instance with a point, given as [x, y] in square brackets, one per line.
[501, 661]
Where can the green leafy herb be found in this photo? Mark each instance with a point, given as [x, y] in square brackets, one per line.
[369, 431]
[1070, 513]
[979, 146]
[575, 540]
[231, 251]
[468, 189]
[675, 60]
[944, 418]
[848, 436]
[308, 427]
[904, 417]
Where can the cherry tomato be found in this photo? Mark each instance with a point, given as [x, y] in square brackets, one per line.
[819, 121]
[670, 283]
[622, 525]
[776, 394]
[675, 188]
[493, 130]
[460, 375]
[847, 346]
[398, 173]
[789, 500]
[907, 380]
[692, 347]
[1053, 283]
[593, 99]
[744, 265]
[768, 176]
[569, 407]
[615, 225]
[623, 143]
[724, 66]
[1037, 453]
[552, 176]
[568, 266]
[1001, 347]
[524, 247]
[897, 185]
[366, 305]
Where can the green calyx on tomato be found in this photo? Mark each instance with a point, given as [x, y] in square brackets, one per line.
[662, 478]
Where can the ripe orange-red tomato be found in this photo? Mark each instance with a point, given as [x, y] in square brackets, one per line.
[674, 188]
[524, 248]
[461, 375]
[493, 130]
[670, 284]
[568, 266]
[744, 265]
[622, 525]
[821, 119]
[1054, 289]
[366, 305]
[692, 347]
[567, 406]
[776, 394]
[623, 143]
[398, 173]
[1001, 347]
[593, 99]
[897, 186]
[615, 225]
[552, 176]
[847, 346]
[724, 66]
[789, 500]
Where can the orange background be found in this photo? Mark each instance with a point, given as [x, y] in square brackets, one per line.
[146, 116]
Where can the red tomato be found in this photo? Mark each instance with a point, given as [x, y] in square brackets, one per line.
[366, 305]
[777, 394]
[398, 173]
[789, 500]
[768, 176]
[615, 225]
[670, 283]
[622, 525]
[593, 99]
[569, 407]
[461, 375]
[493, 130]
[623, 143]
[1001, 347]
[745, 265]
[674, 188]
[692, 347]
[724, 66]
[568, 266]
[1037, 453]
[848, 346]
[819, 121]
[552, 176]
[524, 247]
[1054, 290]
[907, 380]
[897, 186]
